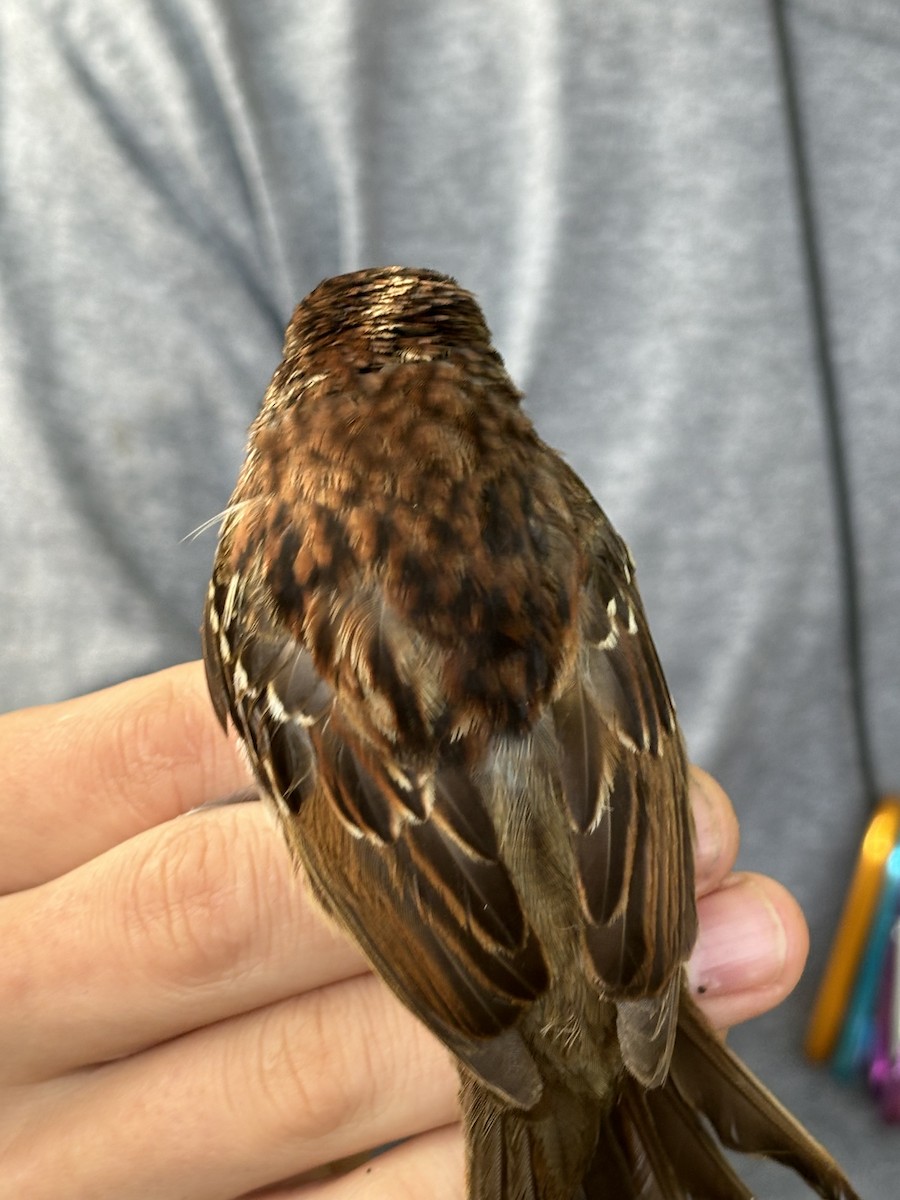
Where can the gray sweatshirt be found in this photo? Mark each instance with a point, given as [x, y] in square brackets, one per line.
[615, 181]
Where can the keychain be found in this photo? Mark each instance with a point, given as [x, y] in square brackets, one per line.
[884, 1073]
[856, 1018]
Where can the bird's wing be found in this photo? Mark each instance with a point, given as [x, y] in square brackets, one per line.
[406, 859]
[625, 785]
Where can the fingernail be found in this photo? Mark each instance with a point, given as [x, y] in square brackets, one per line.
[742, 943]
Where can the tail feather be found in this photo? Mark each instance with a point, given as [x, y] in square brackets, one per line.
[699, 1164]
[743, 1113]
[541, 1154]
[664, 1143]
[502, 1164]
[654, 1147]
[648, 1171]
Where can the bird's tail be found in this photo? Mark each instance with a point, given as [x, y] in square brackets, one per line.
[541, 1154]
[664, 1144]
[659, 1144]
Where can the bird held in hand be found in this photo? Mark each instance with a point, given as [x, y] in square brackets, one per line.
[429, 639]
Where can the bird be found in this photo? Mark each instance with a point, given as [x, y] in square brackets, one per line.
[429, 640]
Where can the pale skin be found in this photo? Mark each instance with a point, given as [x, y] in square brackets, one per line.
[177, 1020]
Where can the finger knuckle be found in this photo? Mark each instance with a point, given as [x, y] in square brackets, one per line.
[319, 1065]
[192, 898]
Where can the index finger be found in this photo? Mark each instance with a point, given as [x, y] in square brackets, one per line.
[79, 777]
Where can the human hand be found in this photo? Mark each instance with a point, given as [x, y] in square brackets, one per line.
[177, 1020]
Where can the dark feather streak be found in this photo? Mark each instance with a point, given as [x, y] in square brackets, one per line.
[483, 889]
[578, 728]
[605, 855]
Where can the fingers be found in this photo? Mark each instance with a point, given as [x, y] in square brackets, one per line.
[184, 925]
[195, 927]
[431, 1165]
[79, 777]
[237, 1105]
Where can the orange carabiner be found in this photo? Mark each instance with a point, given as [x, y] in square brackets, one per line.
[882, 834]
